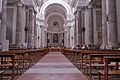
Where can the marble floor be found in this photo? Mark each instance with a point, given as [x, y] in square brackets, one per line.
[53, 66]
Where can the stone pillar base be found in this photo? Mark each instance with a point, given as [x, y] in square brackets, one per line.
[103, 47]
[5, 45]
[109, 46]
[113, 46]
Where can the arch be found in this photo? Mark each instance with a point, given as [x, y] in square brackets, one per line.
[55, 13]
[49, 2]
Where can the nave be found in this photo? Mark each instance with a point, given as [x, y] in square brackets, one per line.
[53, 66]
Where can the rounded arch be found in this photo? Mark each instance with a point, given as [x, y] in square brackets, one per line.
[49, 2]
[55, 13]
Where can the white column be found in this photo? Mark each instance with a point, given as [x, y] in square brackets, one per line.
[0, 5]
[65, 38]
[20, 28]
[104, 25]
[38, 37]
[0, 17]
[45, 41]
[112, 26]
[91, 26]
[23, 26]
[41, 36]
[3, 21]
[80, 23]
[14, 25]
[72, 37]
[68, 36]
[87, 31]
[76, 29]
[95, 31]
[35, 31]
[90, 30]
[30, 28]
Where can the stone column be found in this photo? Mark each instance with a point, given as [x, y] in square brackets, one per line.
[42, 35]
[20, 34]
[79, 26]
[45, 41]
[3, 21]
[112, 23]
[30, 28]
[1, 5]
[26, 25]
[35, 30]
[0, 17]
[90, 25]
[76, 31]
[38, 36]
[65, 38]
[72, 37]
[68, 36]
[104, 25]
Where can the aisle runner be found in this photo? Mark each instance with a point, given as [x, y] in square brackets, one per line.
[53, 66]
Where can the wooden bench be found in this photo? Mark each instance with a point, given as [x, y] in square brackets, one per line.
[87, 52]
[55, 49]
[1, 74]
[100, 56]
[107, 72]
[12, 56]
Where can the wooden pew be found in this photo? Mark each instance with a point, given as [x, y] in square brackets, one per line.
[107, 72]
[12, 56]
[55, 49]
[91, 56]
[26, 57]
[87, 52]
[1, 74]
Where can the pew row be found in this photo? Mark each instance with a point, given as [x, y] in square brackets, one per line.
[18, 61]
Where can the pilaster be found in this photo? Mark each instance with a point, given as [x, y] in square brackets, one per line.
[3, 21]
[104, 25]
[20, 28]
[111, 23]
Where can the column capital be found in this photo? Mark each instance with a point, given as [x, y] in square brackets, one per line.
[79, 8]
[92, 4]
[18, 3]
[28, 7]
[86, 8]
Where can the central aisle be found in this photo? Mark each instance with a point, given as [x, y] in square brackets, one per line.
[53, 66]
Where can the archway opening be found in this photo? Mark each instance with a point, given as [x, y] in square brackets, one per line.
[55, 16]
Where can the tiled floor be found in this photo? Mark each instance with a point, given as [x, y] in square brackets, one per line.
[53, 66]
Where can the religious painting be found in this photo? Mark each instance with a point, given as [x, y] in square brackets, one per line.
[55, 38]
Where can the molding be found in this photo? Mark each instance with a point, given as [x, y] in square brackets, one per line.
[49, 2]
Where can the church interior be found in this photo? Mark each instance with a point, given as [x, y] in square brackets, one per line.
[59, 40]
